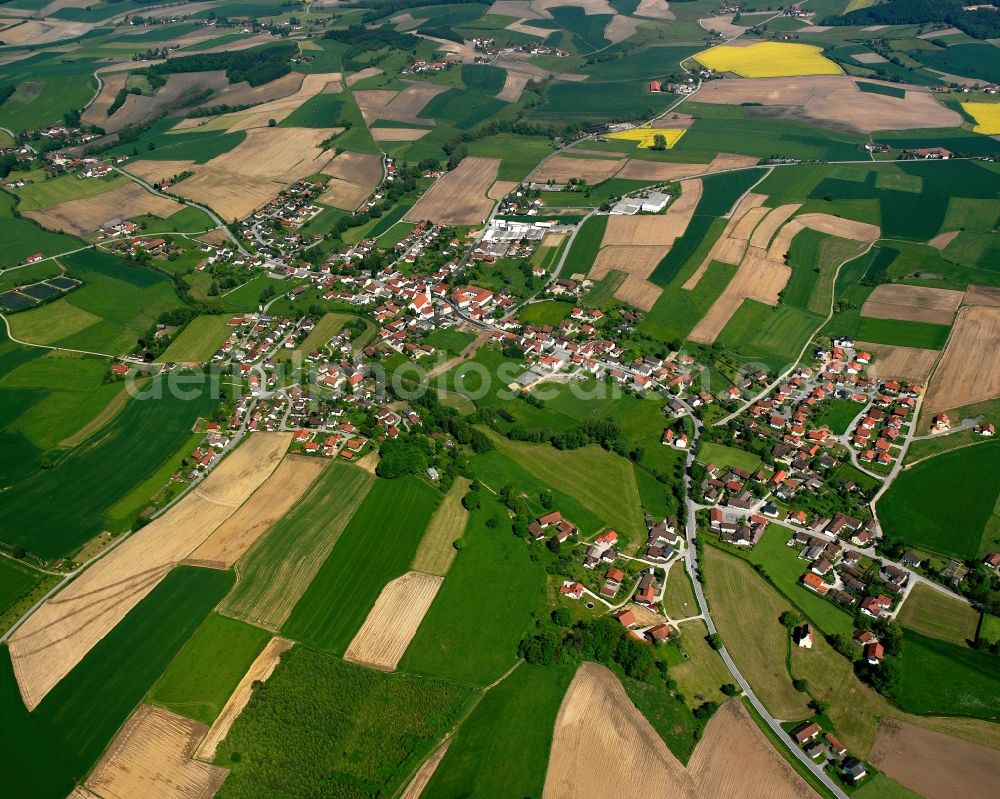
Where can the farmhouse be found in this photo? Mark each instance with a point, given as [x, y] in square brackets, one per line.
[806, 732]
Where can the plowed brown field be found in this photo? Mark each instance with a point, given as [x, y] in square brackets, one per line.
[561, 169]
[970, 369]
[459, 197]
[901, 363]
[355, 177]
[913, 303]
[84, 216]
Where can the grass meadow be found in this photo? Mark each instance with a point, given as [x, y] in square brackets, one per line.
[201, 678]
[923, 335]
[727, 457]
[599, 480]
[377, 546]
[502, 748]
[81, 485]
[278, 569]
[837, 415]
[746, 610]
[940, 677]
[484, 607]
[83, 712]
[199, 341]
[937, 615]
[320, 726]
[944, 504]
[21, 238]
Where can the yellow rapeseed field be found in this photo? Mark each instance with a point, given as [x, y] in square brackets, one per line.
[646, 136]
[987, 116]
[768, 60]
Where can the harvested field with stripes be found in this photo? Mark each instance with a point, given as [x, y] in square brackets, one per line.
[437, 551]
[260, 670]
[64, 629]
[234, 537]
[151, 758]
[157, 171]
[354, 176]
[913, 304]
[393, 621]
[459, 197]
[970, 369]
[901, 363]
[635, 169]
[277, 570]
[604, 747]
[562, 169]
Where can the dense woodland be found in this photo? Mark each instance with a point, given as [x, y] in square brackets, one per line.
[981, 23]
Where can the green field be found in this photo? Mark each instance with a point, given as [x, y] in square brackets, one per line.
[774, 335]
[471, 632]
[115, 306]
[199, 341]
[547, 312]
[837, 415]
[937, 615]
[727, 457]
[601, 481]
[201, 678]
[81, 485]
[784, 569]
[65, 391]
[939, 677]
[377, 546]
[923, 335]
[324, 727]
[502, 748]
[585, 246]
[450, 341]
[277, 570]
[16, 581]
[944, 504]
[83, 712]
[21, 238]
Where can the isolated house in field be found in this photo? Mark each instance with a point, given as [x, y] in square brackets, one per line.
[806, 732]
[571, 590]
[853, 769]
[803, 636]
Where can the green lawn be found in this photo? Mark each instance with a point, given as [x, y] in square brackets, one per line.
[945, 504]
[939, 677]
[727, 457]
[377, 546]
[547, 312]
[599, 480]
[451, 341]
[323, 727]
[837, 415]
[84, 711]
[44, 193]
[902, 334]
[938, 615]
[484, 607]
[784, 568]
[502, 748]
[199, 341]
[201, 678]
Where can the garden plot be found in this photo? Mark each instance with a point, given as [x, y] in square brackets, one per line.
[151, 758]
[68, 625]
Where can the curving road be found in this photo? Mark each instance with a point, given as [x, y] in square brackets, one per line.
[691, 561]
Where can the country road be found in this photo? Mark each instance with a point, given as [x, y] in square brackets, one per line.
[694, 570]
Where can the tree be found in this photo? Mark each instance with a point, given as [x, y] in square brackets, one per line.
[562, 617]
[729, 689]
[714, 641]
[471, 501]
[659, 142]
[272, 123]
[547, 500]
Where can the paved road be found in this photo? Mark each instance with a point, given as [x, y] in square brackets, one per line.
[694, 570]
[184, 201]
